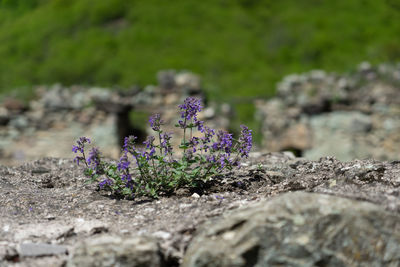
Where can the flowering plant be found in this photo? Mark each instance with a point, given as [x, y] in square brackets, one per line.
[153, 170]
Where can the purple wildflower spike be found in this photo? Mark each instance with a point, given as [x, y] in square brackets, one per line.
[156, 122]
[245, 141]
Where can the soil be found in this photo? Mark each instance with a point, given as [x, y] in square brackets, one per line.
[48, 201]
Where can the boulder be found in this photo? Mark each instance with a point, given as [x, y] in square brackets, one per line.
[347, 116]
[299, 229]
[108, 250]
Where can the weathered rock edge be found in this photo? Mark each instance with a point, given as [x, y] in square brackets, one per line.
[299, 229]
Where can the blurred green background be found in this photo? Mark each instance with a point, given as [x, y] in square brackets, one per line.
[241, 48]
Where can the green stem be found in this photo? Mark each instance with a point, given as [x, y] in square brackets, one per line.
[184, 135]
[84, 159]
[159, 138]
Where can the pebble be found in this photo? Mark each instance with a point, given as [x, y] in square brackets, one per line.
[162, 234]
[195, 195]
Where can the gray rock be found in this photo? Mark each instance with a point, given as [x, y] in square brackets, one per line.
[188, 81]
[56, 98]
[300, 229]
[79, 100]
[166, 79]
[19, 122]
[348, 116]
[351, 122]
[40, 249]
[107, 250]
[340, 128]
[99, 94]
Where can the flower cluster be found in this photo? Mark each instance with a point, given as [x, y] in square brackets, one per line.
[245, 141]
[80, 148]
[152, 170]
[156, 122]
[189, 110]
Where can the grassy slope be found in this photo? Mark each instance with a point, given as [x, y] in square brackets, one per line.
[240, 47]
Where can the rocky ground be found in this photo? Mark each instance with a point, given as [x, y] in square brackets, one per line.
[49, 216]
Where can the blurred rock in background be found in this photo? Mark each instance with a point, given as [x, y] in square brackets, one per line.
[315, 114]
[49, 125]
[326, 114]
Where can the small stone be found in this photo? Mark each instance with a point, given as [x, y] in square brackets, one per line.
[40, 249]
[195, 195]
[6, 228]
[166, 79]
[108, 250]
[50, 217]
[20, 122]
[40, 170]
[189, 81]
[162, 234]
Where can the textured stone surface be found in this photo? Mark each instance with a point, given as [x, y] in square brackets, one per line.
[299, 229]
[38, 249]
[347, 116]
[47, 201]
[110, 250]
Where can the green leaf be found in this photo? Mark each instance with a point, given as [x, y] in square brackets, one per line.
[126, 191]
[184, 146]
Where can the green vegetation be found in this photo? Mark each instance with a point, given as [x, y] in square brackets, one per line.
[241, 48]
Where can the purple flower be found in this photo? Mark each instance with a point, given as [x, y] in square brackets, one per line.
[149, 146]
[165, 143]
[81, 145]
[75, 149]
[221, 161]
[236, 163]
[129, 143]
[156, 122]
[189, 109]
[78, 159]
[224, 142]
[193, 142]
[211, 159]
[126, 177]
[199, 125]
[123, 163]
[149, 141]
[245, 141]
[105, 182]
[208, 135]
[94, 158]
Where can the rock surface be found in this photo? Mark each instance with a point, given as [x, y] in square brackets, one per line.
[48, 202]
[348, 116]
[38, 250]
[117, 251]
[299, 229]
